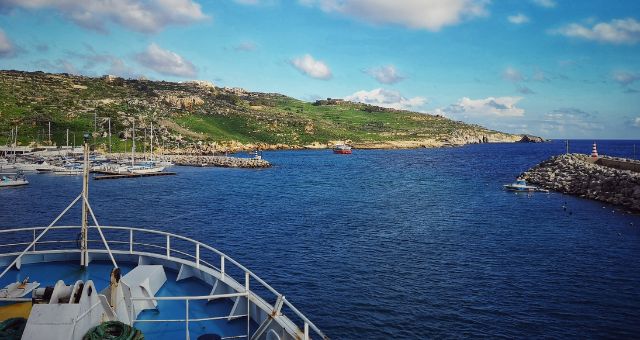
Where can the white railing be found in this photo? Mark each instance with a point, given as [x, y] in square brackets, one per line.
[193, 255]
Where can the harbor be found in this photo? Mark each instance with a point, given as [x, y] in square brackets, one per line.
[420, 208]
[108, 166]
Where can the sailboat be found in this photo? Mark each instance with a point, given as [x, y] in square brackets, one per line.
[143, 167]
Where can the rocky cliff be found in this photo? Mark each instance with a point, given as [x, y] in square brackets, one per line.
[580, 175]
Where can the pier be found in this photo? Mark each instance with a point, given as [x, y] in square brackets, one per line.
[112, 175]
[219, 161]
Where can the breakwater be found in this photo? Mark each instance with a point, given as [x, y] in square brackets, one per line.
[581, 175]
[203, 161]
[218, 161]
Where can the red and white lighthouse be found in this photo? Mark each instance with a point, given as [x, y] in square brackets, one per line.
[594, 151]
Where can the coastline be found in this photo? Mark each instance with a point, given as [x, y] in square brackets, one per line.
[235, 147]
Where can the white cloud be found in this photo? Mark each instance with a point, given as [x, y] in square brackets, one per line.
[618, 31]
[7, 49]
[387, 98]
[491, 106]
[626, 78]
[518, 19]
[311, 67]
[92, 59]
[636, 122]
[419, 14]
[137, 15]
[545, 3]
[166, 62]
[512, 74]
[385, 74]
[570, 119]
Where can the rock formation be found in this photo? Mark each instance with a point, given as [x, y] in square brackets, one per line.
[581, 175]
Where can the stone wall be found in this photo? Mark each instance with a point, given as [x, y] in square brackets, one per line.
[577, 174]
[620, 163]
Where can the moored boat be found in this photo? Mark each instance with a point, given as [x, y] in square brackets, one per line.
[72, 169]
[520, 185]
[343, 149]
[12, 180]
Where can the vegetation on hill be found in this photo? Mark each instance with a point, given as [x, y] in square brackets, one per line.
[198, 113]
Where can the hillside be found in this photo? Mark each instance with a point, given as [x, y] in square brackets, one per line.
[198, 115]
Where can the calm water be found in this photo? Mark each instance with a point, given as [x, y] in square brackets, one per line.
[394, 244]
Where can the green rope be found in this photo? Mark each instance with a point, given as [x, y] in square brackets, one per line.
[113, 330]
[12, 329]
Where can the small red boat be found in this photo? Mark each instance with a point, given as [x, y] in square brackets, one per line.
[342, 149]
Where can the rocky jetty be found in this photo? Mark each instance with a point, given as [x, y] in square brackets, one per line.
[219, 161]
[584, 176]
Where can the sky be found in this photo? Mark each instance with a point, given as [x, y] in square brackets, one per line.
[553, 68]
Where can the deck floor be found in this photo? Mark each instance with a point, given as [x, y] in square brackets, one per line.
[49, 273]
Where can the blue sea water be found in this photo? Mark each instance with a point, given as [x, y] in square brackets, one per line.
[403, 244]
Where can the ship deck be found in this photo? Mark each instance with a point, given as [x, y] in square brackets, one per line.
[49, 273]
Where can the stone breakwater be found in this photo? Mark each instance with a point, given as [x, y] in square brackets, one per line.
[581, 175]
[218, 161]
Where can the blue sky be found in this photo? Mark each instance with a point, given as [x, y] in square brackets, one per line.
[555, 68]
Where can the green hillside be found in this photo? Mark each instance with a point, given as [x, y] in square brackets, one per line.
[195, 112]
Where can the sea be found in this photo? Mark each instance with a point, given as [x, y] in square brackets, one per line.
[394, 244]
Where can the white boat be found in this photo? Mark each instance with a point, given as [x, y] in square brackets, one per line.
[18, 289]
[520, 185]
[28, 167]
[12, 180]
[145, 168]
[165, 163]
[68, 170]
[8, 167]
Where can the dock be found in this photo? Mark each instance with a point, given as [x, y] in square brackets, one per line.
[105, 175]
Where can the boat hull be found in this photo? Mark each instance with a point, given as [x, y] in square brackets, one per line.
[147, 171]
[13, 183]
[342, 152]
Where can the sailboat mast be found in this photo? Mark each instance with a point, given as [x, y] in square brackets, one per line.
[133, 144]
[151, 140]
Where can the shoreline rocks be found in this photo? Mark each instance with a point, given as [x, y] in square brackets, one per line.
[219, 161]
[583, 176]
[205, 160]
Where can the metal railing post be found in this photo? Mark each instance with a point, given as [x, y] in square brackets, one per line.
[130, 241]
[222, 267]
[198, 255]
[306, 331]
[246, 288]
[187, 317]
[34, 240]
[168, 247]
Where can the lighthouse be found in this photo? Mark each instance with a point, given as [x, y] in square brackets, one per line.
[594, 151]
